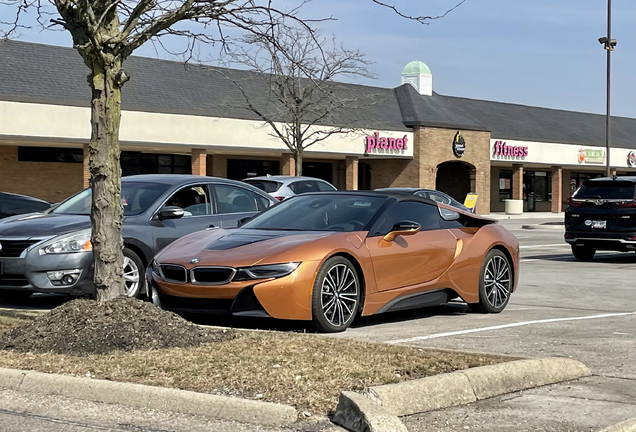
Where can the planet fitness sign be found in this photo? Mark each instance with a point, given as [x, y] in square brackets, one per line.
[375, 142]
[501, 149]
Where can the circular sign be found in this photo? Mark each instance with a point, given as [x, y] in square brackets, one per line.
[459, 145]
[631, 159]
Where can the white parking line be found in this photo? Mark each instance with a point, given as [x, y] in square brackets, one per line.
[498, 327]
[544, 246]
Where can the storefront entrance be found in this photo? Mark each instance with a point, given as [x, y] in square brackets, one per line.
[537, 191]
[453, 178]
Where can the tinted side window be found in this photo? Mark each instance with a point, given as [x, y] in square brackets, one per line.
[325, 187]
[439, 197]
[426, 215]
[11, 206]
[232, 199]
[194, 200]
[304, 186]
[265, 185]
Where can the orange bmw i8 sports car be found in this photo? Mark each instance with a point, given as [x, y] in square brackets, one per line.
[329, 257]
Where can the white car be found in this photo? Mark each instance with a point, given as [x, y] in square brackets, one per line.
[282, 186]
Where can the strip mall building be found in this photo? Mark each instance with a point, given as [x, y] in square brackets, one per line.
[180, 119]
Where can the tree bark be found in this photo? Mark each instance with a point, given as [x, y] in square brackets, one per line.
[298, 160]
[105, 182]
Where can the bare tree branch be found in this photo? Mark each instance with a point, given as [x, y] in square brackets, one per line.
[422, 19]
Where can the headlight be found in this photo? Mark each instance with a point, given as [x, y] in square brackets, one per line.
[265, 271]
[78, 242]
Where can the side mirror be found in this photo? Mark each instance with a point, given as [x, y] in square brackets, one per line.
[170, 212]
[243, 221]
[403, 228]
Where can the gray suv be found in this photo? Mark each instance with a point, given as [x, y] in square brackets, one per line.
[51, 252]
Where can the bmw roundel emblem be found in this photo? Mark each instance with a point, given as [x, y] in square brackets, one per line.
[588, 222]
[194, 260]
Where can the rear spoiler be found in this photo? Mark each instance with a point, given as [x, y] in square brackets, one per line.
[468, 219]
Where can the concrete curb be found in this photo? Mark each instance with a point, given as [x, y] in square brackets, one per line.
[463, 387]
[358, 413]
[143, 396]
[544, 227]
[626, 426]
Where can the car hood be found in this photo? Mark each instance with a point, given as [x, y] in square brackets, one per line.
[38, 225]
[236, 247]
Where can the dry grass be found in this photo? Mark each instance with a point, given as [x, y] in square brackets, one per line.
[10, 319]
[306, 371]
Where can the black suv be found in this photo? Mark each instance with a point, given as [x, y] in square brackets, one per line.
[601, 215]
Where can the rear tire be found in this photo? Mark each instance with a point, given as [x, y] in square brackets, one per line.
[336, 296]
[495, 283]
[583, 253]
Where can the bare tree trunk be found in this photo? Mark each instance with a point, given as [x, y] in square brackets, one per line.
[298, 159]
[105, 182]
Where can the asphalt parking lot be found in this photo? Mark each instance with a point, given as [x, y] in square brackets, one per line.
[562, 307]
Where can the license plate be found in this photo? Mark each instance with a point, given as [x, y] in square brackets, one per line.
[599, 224]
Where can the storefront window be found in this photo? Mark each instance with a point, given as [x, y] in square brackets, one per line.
[537, 187]
[505, 185]
[239, 169]
[150, 163]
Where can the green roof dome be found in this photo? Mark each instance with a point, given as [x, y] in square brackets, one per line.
[416, 67]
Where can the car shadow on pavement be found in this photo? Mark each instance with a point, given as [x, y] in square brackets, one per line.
[42, 302]
[618, 258]
[450, 309]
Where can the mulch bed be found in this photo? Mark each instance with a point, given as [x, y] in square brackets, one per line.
[82, 327]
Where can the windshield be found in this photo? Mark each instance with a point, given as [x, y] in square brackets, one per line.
[319, 213]
[610, 189]
[135, 197]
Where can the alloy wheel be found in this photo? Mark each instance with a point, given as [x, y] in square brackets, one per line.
[131, 277]
[339, 295]
[497, 281]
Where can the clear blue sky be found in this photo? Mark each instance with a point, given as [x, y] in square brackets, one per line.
[538, 52]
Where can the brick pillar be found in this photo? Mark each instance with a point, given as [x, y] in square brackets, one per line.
[517, 181]
[557, 188]
[199, 166]
[287, 164]
[351, 169]
[86, 173]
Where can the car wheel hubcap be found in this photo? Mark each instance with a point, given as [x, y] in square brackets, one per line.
[339, 295]
[497, 281]
[131, 277]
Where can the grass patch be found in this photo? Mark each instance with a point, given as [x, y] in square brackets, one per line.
[303, 370]
[11, 319]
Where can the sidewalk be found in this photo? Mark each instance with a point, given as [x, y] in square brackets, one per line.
[584, 405]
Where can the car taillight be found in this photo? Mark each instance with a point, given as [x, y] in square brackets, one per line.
[568, 235]
[573, 203]
[280, 198]
[627, 204]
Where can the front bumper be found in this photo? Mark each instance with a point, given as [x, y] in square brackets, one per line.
[288, 297]
[28, 272]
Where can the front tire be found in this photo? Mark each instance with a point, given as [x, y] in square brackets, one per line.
[495, 283]
[336, 296]
[583, 253]
[134, 275]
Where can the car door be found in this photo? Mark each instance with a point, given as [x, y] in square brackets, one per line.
[196, 202]
[233, 203]
[414, 259]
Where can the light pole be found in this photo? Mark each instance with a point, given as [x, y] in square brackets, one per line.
[609, 45]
